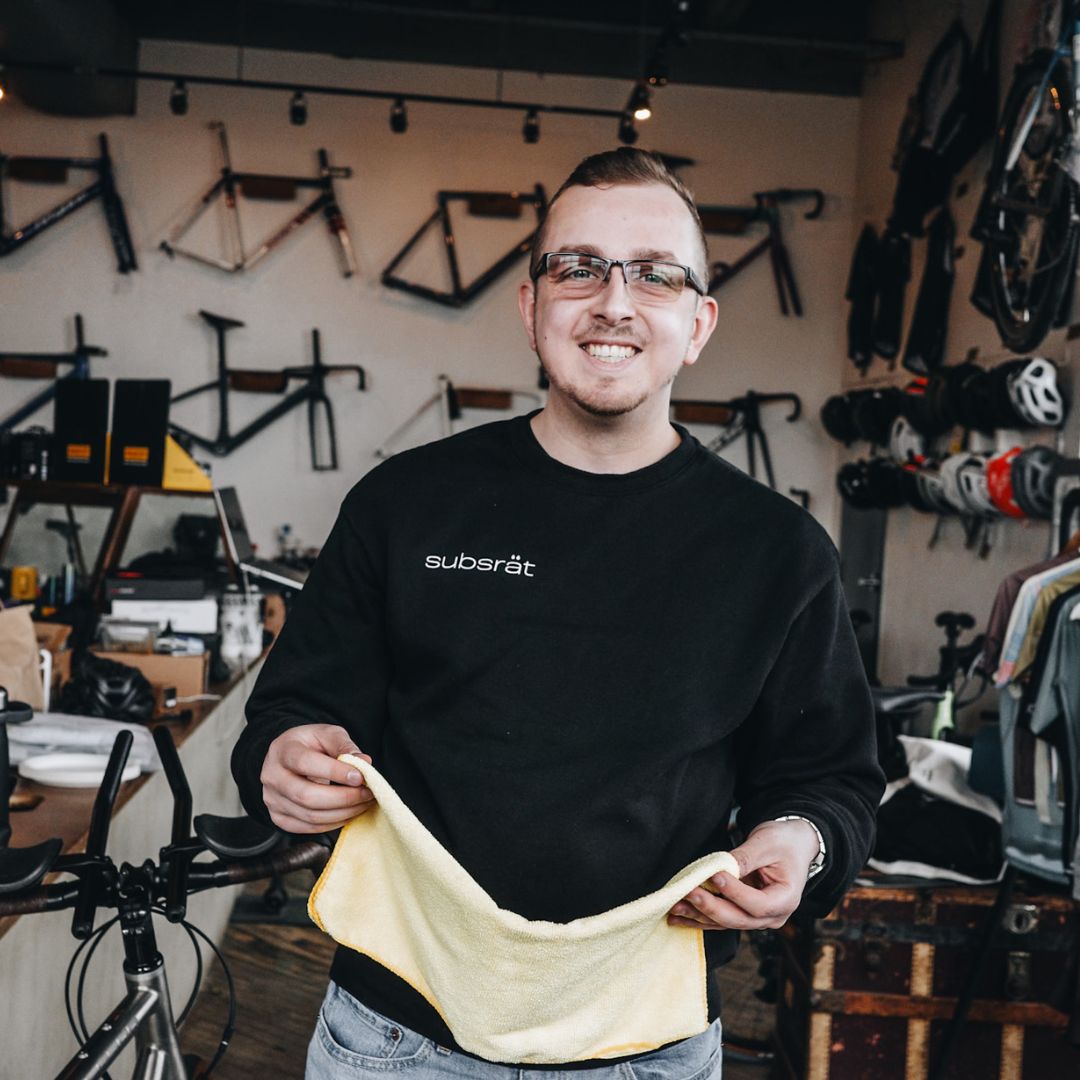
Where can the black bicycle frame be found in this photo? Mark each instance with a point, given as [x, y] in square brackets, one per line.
[27, 365]
[232, 184]
[735, 220]
[741, 416]
[490, 204]
[54, 170]
[313, 392]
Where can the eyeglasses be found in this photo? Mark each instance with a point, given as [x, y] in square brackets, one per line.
[578, 276]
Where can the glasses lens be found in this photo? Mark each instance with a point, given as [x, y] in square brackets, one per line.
[576, 275]
[655, 281]
[579, 276]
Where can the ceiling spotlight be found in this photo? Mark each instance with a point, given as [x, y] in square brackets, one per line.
[639, 102]
[178, 101]
[627, 132]
[399, 119]
[530, 130]
[657, 72]
[298, 109]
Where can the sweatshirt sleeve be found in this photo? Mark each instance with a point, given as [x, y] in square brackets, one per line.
[809, 746]
[329, 663]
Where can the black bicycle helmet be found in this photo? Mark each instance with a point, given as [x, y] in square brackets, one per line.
[886, 483]
[958, 381]
[1033, 473]
[101, 687]
[874, 411]
[836, 418]
[853, 483]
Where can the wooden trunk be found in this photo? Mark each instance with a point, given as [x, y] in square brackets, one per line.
[868, 992]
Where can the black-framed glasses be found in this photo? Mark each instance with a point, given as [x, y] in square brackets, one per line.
[578, 276]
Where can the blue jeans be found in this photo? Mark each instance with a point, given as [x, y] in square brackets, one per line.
[352, 1040]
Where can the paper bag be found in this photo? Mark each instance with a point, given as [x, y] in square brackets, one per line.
[20, 664]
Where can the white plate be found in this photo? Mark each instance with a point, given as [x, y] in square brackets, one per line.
[71, 770]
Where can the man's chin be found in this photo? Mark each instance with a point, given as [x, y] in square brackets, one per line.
[601, 405]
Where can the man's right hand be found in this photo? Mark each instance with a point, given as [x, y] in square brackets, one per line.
[304, 786]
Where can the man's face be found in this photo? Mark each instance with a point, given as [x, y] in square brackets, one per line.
[612, 354]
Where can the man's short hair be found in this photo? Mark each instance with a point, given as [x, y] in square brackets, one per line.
[625, 165]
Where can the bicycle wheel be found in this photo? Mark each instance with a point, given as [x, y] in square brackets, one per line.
[1032, 228]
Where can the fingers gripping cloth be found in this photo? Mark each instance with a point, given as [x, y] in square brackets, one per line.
[512, 989]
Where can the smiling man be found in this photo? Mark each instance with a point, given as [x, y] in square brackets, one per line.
[671, 644]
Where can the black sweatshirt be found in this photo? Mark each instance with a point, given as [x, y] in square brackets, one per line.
[570, 678]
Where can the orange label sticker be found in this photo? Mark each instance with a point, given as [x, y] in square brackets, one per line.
[136, 455]
[78, 451]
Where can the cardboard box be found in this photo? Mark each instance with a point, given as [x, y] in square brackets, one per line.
[187, 673]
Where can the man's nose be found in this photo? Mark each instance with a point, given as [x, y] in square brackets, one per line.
[613, 302]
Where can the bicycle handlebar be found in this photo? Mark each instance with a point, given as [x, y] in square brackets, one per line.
[202, 876]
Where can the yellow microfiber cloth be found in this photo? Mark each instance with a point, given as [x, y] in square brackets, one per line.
[512, 989]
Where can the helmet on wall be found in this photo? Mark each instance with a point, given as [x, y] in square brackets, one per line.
[1033, 473]
[933, 491]
[950, 480]
[905, 443]
[999, 482]
[1034, 393]
[973, 487]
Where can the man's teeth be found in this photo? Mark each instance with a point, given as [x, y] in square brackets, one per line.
[610, 352]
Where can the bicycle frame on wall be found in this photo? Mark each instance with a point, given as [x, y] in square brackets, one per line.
[54, 170]
[489, 204]
[231, 184]
[313, 392]
[735, 220]
[31, 365]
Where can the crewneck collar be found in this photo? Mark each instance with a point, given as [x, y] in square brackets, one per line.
[528, 447]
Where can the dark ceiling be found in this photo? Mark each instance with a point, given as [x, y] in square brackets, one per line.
[804, 46]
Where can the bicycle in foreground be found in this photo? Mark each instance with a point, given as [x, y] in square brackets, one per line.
[244, 850]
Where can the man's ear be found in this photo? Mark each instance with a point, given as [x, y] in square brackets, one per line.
[527, 307]
[704, 324]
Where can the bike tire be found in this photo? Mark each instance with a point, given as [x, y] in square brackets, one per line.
[1032, 252]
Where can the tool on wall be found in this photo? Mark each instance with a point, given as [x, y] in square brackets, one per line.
[231, 184]
[739, 416]
[736, 220]
[33, 365]
[450, 400]
[484, 204]
[312, 392]
[54, 170]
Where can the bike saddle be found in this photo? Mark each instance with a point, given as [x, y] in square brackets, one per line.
[22, 868]
[235, 837]
[890, 699]
[220, 322]
[955, 621]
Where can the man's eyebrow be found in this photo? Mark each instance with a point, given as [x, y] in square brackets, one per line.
[640, 253]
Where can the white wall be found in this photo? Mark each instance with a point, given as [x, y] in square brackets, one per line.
[920, 581]
[742, 141]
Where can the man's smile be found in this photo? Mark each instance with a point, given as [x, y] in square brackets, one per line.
[609, 354]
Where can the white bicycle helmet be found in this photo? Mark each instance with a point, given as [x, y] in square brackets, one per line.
[933, 491]
[1034, 394]
[906, 445]
[974, 489]
[950, 480]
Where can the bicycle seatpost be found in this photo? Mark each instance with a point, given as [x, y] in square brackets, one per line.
[221, 325]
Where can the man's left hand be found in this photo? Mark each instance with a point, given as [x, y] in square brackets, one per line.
[773, 864]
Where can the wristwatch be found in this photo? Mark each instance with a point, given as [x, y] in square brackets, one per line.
[818, 863]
